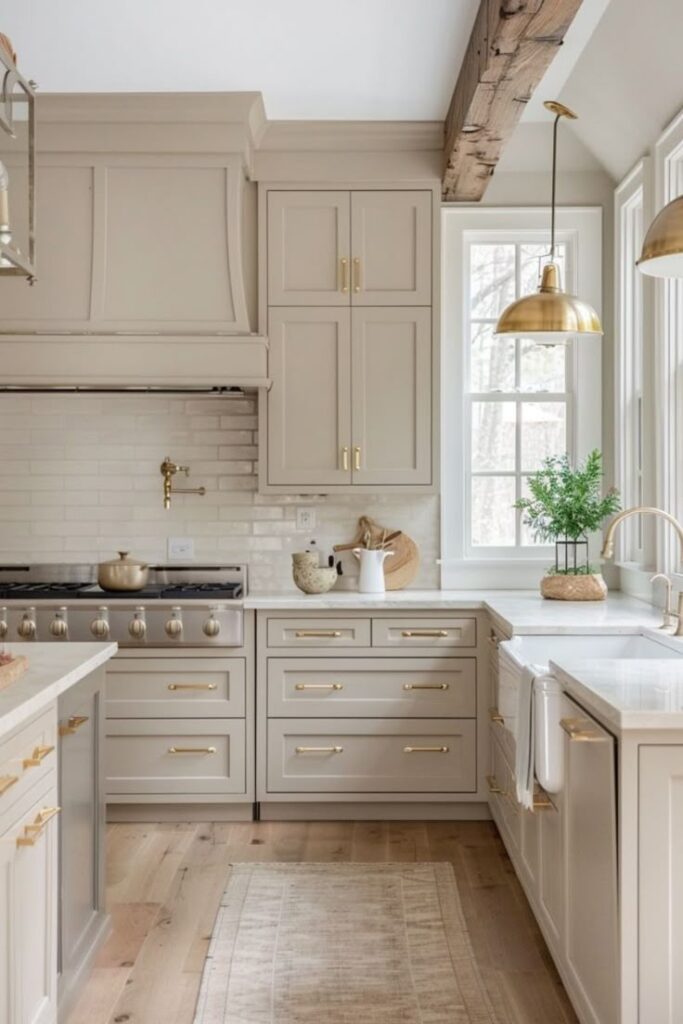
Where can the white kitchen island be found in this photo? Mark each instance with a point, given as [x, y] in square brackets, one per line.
[52, 916]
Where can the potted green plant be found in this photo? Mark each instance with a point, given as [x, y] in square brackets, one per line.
[566, 505]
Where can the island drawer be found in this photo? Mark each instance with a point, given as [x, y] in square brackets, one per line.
[27, 756]
[176, 756]
[372, 687]
[371, 756]
[327, 632]
[413, 631]
[176, 687]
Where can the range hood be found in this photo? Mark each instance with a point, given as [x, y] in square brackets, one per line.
[146, 268]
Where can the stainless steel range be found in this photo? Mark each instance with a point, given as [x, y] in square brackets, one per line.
[182, 606]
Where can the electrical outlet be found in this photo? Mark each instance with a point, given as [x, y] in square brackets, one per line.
[305, 519]
[180, 549]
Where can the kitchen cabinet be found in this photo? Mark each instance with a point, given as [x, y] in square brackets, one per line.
[359, 248]
[83, 921]
[351, 401]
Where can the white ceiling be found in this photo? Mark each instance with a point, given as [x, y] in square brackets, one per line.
[320, 59]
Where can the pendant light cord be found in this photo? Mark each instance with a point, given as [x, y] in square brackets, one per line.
[552, 199]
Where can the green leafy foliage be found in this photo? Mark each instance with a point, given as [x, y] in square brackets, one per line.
[567, 503]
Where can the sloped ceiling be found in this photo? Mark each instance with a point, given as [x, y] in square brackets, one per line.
[628, 82]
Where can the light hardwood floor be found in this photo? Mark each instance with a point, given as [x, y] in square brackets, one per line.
[165, 882]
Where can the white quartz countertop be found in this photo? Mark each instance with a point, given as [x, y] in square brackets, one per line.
[53, 669]
[515, 611]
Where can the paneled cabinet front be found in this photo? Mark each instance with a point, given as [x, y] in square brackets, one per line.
[363, 248]
[351, 401]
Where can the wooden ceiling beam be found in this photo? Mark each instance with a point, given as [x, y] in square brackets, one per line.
[513, 43]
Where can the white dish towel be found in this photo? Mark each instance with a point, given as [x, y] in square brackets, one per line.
[525, 755]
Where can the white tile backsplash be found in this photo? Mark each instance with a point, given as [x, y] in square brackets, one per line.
[80, 480]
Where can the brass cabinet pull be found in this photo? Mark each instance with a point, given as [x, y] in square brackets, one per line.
[319, 750]
[492, 784]
[495, 716]
[542, 802]
[192, 686]
[39, 754]
[344, 273]
[33, 831]
[425, 750]
[356, 274]
[425, 686]
[356, 456]
[6, 782]
[345, 457]
[73, 724]
[324, 633]
[192, 750]
[424, 632]
[318, 686]
[572, 727]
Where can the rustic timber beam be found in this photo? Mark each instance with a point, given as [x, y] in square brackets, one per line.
[513, 42]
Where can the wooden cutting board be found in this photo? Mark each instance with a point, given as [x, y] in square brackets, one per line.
[10, 672]
[402, 566]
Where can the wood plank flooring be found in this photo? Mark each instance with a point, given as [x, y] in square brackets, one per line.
[164, 882]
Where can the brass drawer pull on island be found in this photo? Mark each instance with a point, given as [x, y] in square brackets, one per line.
[495, 716]
[192, 750]
[425, 750]
[424, 632]
[425, 686]
[318, 686]
[33, 831]
[573, 729]
[192, 686]
[6, 782]
[39, 754]
[73, 725]
[344, 270]
[319, 750]
[320, 633]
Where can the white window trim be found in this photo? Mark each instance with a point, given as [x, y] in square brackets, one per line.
[635, 191]
[582, 227]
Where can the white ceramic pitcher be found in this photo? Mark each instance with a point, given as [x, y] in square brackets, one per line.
[371, 569]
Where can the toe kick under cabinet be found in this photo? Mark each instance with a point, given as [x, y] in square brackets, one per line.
[370, 708]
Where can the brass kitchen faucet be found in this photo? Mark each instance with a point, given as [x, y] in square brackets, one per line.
[168, 471]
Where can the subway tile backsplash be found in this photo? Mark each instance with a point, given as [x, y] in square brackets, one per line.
[80, 481]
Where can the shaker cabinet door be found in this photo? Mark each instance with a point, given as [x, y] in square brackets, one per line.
[309, 404]
[392, 399]
[391, 248]
[308, 248]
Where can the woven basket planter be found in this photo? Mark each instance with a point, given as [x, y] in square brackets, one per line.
[585, 587]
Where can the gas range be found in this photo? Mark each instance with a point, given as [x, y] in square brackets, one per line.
[182, 605]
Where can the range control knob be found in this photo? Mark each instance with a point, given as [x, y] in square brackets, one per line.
[27, 627]
[174, 626]
[99, 627]
[58, 626]
[3, 623]
[212, 626]
[137, 626]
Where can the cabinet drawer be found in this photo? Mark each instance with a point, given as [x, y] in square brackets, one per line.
[175, 756]
[176, 688]
[372, 688]
[327, 632]
[27, 756]
[412, 632]
[371, 756]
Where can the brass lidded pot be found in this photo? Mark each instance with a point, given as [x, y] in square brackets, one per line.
[122, 573]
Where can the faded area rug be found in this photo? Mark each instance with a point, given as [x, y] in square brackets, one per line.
[341, 944]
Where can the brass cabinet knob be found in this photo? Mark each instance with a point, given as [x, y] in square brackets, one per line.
[212, 626]
[27, 627]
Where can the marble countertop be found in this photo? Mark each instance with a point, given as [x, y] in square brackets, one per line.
[53, 669]
[515, 611]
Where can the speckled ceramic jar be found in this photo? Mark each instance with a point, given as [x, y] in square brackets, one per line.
[311, 577]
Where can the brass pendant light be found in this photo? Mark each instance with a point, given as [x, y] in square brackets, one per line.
[662, 254]
[550, 316]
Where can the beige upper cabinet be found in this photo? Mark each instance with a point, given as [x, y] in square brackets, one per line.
[309, 404]
[328, 248]
[308, 248]
[391, 248]
[391, 384]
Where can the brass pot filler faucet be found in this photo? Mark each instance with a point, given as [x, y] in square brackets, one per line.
[168, 471]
